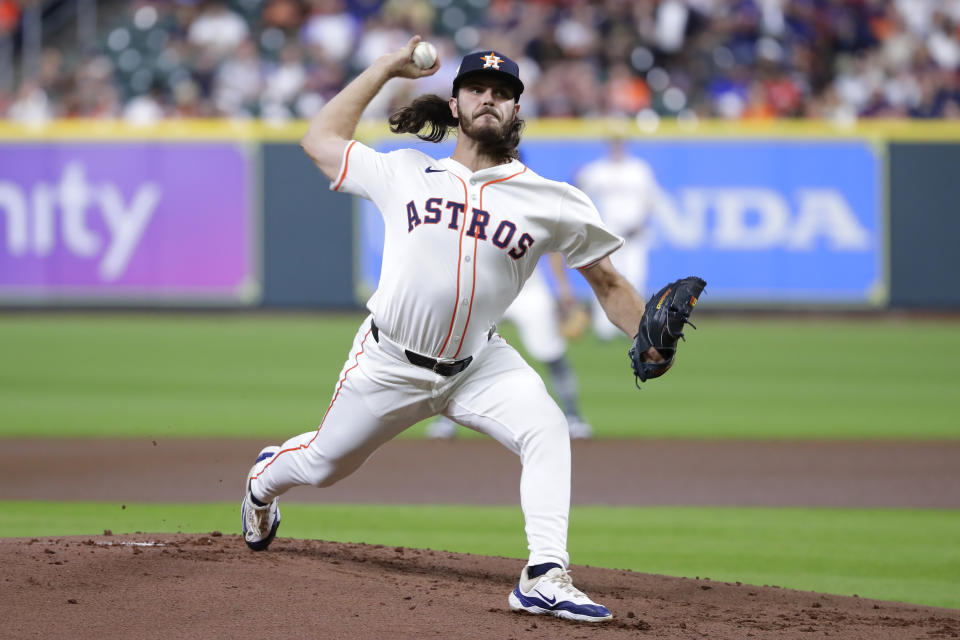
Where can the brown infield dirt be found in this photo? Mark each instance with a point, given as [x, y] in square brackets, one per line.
[210, 586]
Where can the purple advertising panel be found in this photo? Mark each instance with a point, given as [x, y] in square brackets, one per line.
[133, 221]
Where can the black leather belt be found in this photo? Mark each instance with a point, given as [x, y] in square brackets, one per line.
[443, 368]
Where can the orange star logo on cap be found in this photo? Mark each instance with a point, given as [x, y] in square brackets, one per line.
[491, 60]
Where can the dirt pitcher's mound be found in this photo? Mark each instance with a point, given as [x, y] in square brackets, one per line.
[210, 586]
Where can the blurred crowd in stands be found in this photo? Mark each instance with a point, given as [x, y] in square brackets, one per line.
[729, 59]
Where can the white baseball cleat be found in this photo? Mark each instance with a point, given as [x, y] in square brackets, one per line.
[442, 428]
[579, 428]
[259, 523]
[553, 593]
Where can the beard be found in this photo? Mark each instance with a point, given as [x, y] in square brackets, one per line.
[485, 132]
[496, 138]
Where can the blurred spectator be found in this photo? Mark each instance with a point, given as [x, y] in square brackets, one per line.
[145, 109]
[9, 16]
[92, 93]
[188, 103]
[756, 59]
[627, 93]
[217, 29]
[285, 15]
[331, 30]
[757, 106]
[239, 81]
[284, 82]
[30, 104]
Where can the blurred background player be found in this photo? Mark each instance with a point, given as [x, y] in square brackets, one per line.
[625, 191]
[538, 315]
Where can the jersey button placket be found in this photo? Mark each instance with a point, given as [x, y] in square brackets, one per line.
[462, 311]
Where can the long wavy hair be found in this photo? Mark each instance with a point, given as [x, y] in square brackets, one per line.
[429, 118]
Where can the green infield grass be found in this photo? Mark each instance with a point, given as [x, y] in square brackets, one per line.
[889, 554]
[272, 376]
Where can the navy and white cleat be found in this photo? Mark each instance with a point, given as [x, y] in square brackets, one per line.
[553, 593]
[259, 523]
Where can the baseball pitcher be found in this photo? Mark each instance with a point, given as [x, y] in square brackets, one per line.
[462, 236]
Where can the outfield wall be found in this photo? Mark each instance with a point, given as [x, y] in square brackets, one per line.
[775, 215]
[924, 190]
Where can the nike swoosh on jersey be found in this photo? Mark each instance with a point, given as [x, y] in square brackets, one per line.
[552, 600]
[432, 170]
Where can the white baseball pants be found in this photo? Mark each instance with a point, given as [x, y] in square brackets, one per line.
[379, 394]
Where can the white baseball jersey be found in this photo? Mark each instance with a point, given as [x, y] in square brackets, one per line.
[623, 190]
[458, 245]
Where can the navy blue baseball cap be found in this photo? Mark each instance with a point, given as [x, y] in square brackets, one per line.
[489, 62]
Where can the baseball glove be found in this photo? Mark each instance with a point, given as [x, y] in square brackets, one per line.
[574, 320]
[662, 326]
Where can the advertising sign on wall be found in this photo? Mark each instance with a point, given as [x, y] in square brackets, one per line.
[136, 221]
[762, 221]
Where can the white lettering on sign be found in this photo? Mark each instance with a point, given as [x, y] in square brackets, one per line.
[826, 213]
[31, 218]
[756, 219]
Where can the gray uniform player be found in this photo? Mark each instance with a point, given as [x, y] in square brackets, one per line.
[462, 235]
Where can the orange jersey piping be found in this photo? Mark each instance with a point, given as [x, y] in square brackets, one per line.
[346, 163]
[336, 394]
[475, 240]
[453, 316]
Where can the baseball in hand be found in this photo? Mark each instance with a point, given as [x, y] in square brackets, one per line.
[424, 55]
